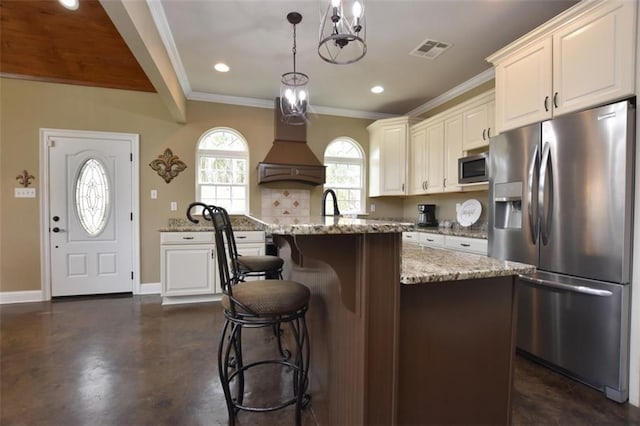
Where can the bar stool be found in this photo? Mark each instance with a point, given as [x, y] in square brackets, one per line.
[258, 304]
[249, 266]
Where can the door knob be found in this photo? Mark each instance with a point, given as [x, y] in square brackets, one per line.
[56, 218]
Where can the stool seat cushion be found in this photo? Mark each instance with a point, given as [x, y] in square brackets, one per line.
[260, 263]
[269, 297]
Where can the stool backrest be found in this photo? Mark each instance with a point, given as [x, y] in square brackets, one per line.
[226, 249]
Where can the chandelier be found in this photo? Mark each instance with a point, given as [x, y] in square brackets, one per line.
[342, 38]
[294, 95]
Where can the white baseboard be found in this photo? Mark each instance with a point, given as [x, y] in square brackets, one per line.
[149, 288]
[7, 297]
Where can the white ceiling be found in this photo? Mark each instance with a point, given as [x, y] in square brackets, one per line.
[255, 40]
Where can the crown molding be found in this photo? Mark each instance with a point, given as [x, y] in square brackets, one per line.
[473, 82]
[268, 103]
[162, 25]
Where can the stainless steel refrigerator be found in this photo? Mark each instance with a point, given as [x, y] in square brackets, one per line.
[561, 198]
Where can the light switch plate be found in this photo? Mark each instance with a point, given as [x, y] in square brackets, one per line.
[174, 206]
[25, 192]
[154, 194]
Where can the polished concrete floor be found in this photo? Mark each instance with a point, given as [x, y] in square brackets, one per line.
[130, 361]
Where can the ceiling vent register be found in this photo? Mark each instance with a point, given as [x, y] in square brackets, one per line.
[430, 49]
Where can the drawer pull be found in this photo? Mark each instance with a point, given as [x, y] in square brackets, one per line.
[187, 238]
[240, 237]
[465, 245]
[430, 240]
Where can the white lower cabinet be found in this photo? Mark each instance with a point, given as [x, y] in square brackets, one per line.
[432, 240]
[449, 242]
[188, 264]
[471, 245]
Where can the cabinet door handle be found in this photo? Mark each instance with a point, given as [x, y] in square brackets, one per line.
[187, 238]
[484, 131]
[427, 185]
[489, 132]
[212, 253]
[444, 182]
[403, 187]
[555, 99]
[546, 103]
[465, 245]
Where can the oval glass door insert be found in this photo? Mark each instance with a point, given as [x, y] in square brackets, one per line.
[92, 196]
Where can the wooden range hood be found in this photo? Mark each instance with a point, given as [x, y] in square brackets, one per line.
[290, 158]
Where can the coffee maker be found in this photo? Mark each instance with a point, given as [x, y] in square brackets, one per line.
[427, 215]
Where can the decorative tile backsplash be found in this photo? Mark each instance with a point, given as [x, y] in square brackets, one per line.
[285, 203]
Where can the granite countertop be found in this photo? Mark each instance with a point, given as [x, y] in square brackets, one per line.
[427, 265]
[319, 225]
[469, 232]
[238, 222]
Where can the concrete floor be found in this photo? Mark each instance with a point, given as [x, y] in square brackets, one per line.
[131, 361]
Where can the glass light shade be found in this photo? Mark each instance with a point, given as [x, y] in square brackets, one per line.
[294, 97]
[342, 37]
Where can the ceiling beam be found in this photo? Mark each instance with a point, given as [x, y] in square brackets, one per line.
[134, 22]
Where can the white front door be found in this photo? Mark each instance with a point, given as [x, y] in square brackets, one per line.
[91, 227]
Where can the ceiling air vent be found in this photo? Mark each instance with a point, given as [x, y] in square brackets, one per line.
[430, 49]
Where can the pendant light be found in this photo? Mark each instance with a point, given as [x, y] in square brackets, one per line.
[294, 95]
[342, 38]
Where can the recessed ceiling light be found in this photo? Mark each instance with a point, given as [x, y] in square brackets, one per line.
[70, 4]
[377, 89]
[220, 67]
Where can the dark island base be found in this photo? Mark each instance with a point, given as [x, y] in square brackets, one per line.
[456, 352]
[387, 353]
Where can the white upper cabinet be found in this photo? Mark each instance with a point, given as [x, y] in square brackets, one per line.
[435, 158]
[418, 161]
[477, 123]
[452, 151]
[594, 58]
[582, 58]
[523, 86]
[388, 140]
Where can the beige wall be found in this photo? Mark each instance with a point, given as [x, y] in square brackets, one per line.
[27, 106]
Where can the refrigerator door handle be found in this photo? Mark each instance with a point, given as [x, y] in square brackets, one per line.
[532, 170]
[574, 288]
[542, 208]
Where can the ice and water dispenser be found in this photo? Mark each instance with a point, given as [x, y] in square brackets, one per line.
[508, 205]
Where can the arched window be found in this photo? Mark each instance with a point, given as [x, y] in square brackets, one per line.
[222, 175]
[344, 159]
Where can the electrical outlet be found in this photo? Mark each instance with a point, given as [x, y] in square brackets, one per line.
[25, 192]
[174, 206]
[154, 194]
[372, 208]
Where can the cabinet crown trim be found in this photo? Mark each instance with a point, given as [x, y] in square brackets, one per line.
[546, 29]
[482, 98]
[392, 121]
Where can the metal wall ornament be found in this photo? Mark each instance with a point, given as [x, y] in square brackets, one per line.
[168, 165]
[25, 178]
[343, 38]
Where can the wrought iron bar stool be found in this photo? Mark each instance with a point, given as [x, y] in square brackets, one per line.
[249, 266]
[258, 304]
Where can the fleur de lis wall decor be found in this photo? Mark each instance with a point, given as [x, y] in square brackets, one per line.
[25, 178]
[168, 165]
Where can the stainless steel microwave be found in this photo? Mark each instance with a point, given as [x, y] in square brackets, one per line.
[474, 168]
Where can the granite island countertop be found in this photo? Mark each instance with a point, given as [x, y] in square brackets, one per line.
[428, 265]
[322, 225]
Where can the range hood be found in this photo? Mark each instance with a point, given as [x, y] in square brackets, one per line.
[290, 158]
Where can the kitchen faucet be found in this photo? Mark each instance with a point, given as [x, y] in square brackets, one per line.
[336, 211]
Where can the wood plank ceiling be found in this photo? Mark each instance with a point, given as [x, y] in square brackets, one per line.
[41, 40]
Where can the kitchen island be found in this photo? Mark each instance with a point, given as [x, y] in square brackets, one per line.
[401, 335]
